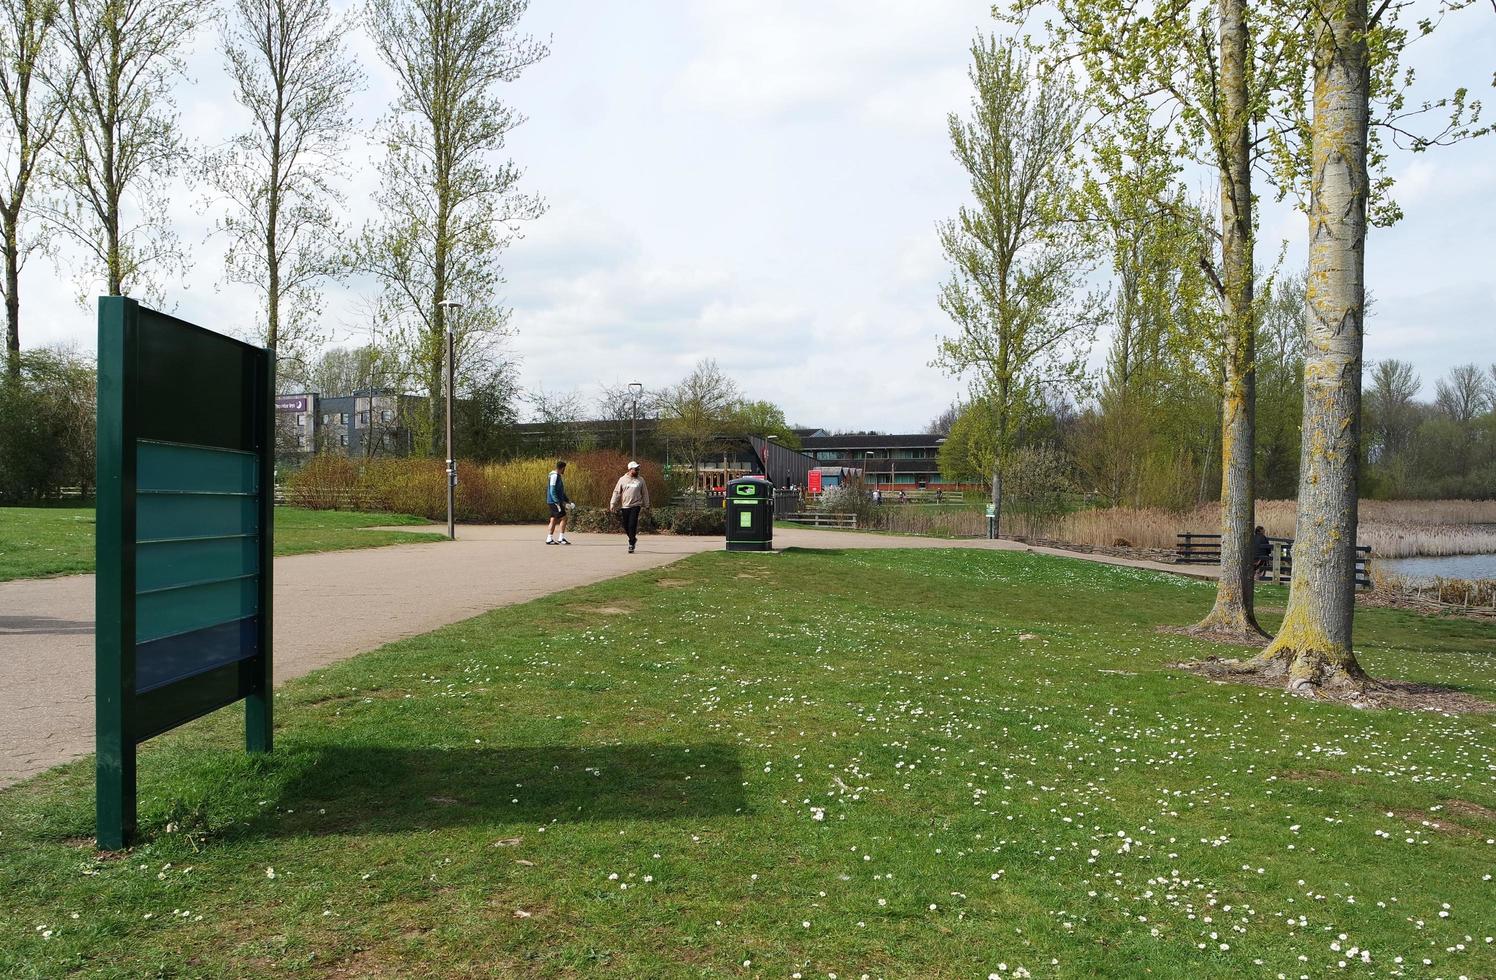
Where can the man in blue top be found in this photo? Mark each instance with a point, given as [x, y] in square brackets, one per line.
[557, 500]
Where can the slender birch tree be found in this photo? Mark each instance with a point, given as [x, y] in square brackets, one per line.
[35, 84]
[290, 68]
[1017, 256]
[121, 144]
[448, 205]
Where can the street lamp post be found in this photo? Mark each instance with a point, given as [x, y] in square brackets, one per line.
[635, 389]
[450, 306]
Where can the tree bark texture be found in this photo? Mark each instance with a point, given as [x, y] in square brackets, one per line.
[1233, 611]
[12, 297]
[1313, 646]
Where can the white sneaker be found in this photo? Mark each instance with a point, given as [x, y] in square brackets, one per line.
[550, 540]
[563, 540]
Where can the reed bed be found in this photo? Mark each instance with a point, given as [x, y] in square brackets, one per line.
[1393, 528]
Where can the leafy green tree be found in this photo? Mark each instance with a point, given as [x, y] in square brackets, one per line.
[47, 441]
[763, 419]
[1280, 387]
[1017, 259]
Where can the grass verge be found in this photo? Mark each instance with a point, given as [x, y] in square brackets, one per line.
[944, 763]
[37, 542]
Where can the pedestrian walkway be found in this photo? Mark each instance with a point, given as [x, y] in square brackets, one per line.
[333, 605]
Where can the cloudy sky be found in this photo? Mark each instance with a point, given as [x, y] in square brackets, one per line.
[759, 182]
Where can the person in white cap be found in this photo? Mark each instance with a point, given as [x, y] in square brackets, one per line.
[630, 496]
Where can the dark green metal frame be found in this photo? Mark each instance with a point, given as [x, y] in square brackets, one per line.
[202, 405]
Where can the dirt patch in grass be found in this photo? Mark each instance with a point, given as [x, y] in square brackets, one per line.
[1245, 638]
[1435, 820]
[601, 611]
[674, 583]
[1404, 695]
[1466, 810]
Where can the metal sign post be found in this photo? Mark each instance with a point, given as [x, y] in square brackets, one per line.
[184, 539]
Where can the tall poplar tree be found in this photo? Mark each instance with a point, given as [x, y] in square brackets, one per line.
[289, 65]
[448, 205]
[1353, 65]
[1017, 255]
[1207, 68]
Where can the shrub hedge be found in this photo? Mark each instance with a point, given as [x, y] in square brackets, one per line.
[667, 520]
[498, 493]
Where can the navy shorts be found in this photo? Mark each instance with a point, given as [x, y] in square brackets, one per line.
[557, 511]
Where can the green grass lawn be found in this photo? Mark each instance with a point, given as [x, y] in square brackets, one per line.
[36, 542]
[881, 763]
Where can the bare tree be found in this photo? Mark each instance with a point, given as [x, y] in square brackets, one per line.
[289, 64]
[695, 413]
[941, 424]
[35, 83]
[1016, 256]
[447, 208]
[1390, 400]
[121, 142]
[1465, 394]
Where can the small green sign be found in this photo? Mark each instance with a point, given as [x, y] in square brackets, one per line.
[991, 511]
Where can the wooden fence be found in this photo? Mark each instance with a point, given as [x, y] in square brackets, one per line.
[816, 518]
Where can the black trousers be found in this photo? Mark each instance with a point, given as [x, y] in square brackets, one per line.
[630, 518]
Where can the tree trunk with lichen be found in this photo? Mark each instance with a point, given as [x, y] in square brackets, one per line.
[1233, 613]
[1313, 646]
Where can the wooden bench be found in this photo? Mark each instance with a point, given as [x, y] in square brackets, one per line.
[1205, 549]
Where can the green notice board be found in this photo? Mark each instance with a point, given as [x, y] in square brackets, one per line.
[185, 519]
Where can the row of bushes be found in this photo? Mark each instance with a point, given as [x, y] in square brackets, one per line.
[667, 520]
[496, 493]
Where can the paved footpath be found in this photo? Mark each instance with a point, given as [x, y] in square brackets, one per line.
[333, 605]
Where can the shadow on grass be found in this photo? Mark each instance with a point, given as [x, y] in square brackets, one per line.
[358, 789]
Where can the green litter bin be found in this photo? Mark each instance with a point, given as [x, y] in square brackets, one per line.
[749, 507]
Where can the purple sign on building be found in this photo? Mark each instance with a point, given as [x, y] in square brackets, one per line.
[291, 403]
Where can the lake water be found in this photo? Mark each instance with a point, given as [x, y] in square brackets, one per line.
[1451, 566]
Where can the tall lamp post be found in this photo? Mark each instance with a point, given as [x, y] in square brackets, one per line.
[450, 306]
[635, 390]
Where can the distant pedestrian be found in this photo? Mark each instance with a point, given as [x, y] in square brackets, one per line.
[558, 502]
[1262, 553]
[630, 496]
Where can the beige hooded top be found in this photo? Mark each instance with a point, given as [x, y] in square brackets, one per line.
[631, 491]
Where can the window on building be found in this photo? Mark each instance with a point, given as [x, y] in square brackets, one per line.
[300, 440]
[363, 417]
[301, 421]
[343, 418]
[386, 416]
[343, 440]
[326, 418]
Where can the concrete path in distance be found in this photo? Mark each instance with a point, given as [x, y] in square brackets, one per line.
[336, 604]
